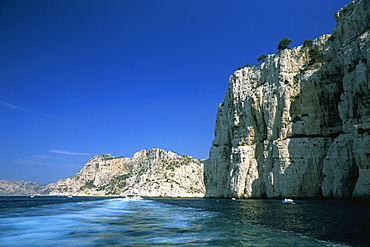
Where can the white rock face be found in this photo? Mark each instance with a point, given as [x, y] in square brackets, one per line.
[298, 125]
[152, 172]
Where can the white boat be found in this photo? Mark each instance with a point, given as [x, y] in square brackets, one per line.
[133, 197]
[288, 201]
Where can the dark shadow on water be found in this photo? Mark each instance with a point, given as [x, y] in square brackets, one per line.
[329, 220]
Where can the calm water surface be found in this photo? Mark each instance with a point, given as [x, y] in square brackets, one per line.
[59, 221]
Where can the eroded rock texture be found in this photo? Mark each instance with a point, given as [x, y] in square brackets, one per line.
[298, 125]
[151, 172]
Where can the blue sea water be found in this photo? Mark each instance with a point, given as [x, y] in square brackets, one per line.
[92, 221]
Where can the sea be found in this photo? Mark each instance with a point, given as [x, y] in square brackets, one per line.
[99, 221]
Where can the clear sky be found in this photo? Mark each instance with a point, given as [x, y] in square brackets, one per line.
[80, 78]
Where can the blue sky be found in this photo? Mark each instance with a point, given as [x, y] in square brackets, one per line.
[80, 78]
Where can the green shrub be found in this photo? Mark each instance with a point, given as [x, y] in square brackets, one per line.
[262, 58]
[307, 43]
[284, 44]
[315, 55]
[89, 184]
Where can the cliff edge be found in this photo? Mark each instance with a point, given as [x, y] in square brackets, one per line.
[298, 124]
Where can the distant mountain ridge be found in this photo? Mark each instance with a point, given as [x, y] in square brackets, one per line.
[23, 188]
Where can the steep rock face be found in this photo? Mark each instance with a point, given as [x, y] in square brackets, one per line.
[152, 172]
[298, 124]
[23, 188]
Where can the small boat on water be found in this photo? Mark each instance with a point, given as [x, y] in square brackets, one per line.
[288, 201]
[133, 197]
[129, 197]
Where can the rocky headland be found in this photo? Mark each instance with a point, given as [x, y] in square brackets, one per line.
[298, 124]
[150, 173]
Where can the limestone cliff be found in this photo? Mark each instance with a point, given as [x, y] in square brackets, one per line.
[298, 125]
[152, 172]
[23, 188]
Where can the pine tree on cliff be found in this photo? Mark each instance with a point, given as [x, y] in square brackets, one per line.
[284, 44]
